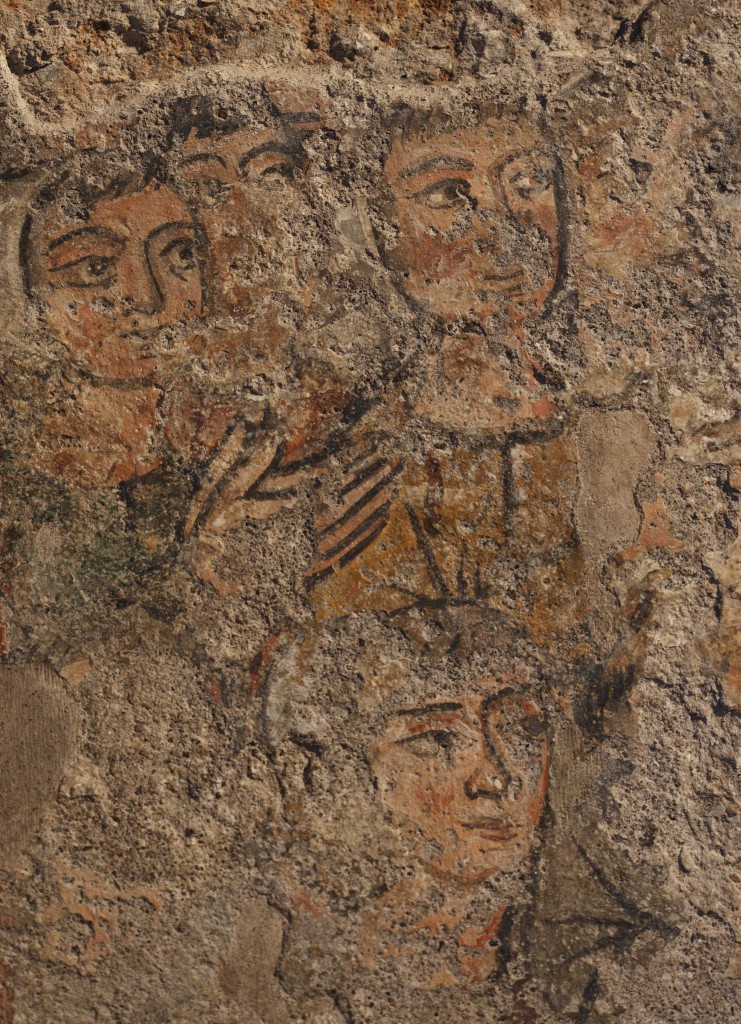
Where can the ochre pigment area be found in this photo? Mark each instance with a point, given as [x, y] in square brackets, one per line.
[370, 481]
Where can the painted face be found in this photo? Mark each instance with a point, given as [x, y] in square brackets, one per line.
[259, 225]
[477, 219]
[112, 287]
[467, 780]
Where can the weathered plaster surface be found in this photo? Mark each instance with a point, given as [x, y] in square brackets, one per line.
[370, 587]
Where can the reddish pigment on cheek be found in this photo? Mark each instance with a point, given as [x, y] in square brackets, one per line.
[436, 801]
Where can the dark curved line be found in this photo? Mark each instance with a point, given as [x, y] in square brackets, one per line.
[359, 530]
[213, 497]
[644, 918]
[588, 999]
[357, 480]
[105, 232]
[427, 551]
[196, 158]
[24, 252]
[161, 295]
[284, 492]
[360, 548]
[361, 504]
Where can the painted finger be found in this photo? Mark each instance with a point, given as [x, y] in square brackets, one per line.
[339, 536]
[242, 479]
[220, 464]
[358, 493]
[354, 547]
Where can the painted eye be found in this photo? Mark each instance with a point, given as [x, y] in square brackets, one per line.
[445, 195]
[286, 169]
[520, 726]
[97, 268]
[435, 743]
[87, 272]
[180, 256]
[213, 188]
[208, 184]
[531, 181]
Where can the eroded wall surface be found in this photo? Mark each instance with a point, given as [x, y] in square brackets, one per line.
[370, 612]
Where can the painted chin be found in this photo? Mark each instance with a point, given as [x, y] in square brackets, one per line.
[122, 356]
[484, 855]
[472, 865]
[481, 849]
[447, 298]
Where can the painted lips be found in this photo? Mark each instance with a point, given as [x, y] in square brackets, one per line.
[509, 284]
[496, 828]
[511, 275]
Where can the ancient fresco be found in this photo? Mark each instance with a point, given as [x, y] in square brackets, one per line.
[370, 615]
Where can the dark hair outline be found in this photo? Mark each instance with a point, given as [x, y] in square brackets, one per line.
[409, 121]
[115, 186]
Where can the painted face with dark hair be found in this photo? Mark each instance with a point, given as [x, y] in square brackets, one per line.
[249, 187]
[116, 287]
[477, 219]
[457, 763]
[467, 779]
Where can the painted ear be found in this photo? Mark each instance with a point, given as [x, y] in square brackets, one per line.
[18, 261]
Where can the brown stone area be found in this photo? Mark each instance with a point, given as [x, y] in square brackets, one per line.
[370, 480]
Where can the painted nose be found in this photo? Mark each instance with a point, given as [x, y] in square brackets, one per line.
[489, 780]
[486, 200]
[489, 219]
[141, 293]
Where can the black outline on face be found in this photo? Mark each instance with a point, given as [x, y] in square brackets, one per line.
[198, 237]
[445, 160]
[112, 260]
[461, 199]
[293, 147]
[414, 125]
[492, 740]
[154, 234]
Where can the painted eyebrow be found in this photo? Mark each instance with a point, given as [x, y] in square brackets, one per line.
[196, 158]
[304, 117]
[104, 232]
[185, 224]
[506, 691]
[266, 147]
[438, 162]
[446, 706]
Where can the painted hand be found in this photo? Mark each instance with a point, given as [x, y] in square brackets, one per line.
[246, 480]
[346, 528]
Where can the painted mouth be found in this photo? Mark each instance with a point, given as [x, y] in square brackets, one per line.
[152, 337]
[148, 351]
[495, 828]
[508, 275]
[510, 283]
[150, 344]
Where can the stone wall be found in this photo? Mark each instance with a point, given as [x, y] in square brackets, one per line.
[370, 626]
